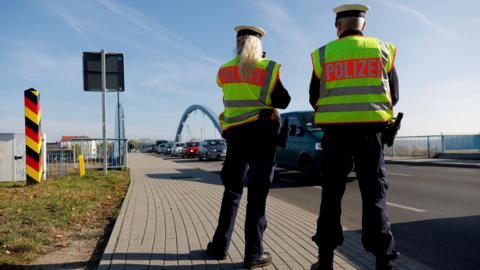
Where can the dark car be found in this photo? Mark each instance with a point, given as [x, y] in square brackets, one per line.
[190, 149]
[162, 147]
[177, 149]
[212, 149]
[169, 149]
[304, 150]
[148, 149]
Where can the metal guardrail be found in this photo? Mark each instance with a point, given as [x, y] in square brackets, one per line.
[64, 161]
[432, 146]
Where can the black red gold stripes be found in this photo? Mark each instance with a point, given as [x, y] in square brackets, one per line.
[33, 136]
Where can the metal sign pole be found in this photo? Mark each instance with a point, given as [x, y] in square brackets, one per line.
[93, 62]
[124, 140]
[104, 103]
[119, 143]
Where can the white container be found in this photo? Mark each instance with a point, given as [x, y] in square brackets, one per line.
[12, 157]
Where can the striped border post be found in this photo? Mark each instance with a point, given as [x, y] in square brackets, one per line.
[33, 136]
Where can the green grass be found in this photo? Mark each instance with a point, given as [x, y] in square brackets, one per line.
[33, 219]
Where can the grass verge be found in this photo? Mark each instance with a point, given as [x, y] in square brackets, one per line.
[35, 220]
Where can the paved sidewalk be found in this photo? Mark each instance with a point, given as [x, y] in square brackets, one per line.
[170, 213]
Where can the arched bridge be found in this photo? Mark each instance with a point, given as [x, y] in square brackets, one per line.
[205, 110]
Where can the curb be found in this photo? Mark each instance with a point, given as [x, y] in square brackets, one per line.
[434, 164]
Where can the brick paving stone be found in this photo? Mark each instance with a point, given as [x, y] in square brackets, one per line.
[170, 212]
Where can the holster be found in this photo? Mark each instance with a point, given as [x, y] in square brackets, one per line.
[269, 114]
[274, 116]
[388, 135]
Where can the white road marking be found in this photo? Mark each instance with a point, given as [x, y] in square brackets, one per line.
[286, 180]
[462, 170]
[394, 204]
[400, 174]
[406, 207]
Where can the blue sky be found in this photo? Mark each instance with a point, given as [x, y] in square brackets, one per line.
[174, 48]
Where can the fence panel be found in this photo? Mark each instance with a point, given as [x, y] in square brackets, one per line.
[61, 163]
[461, 142]
[65, 161]
[431, 146]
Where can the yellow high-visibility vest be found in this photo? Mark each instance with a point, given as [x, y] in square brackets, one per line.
[244, 98]
[354, 87]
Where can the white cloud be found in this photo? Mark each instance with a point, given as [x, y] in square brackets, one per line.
[420, 16]
[164, 71]
[173, 77]
[292, 45]
[45, 69]
[76, 23]
[294, 41]
[170, 64]
[159, 31]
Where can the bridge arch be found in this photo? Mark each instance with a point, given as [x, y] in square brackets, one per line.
[207, 111]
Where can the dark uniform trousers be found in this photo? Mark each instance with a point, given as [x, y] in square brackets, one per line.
[250, 155]
[366, 149]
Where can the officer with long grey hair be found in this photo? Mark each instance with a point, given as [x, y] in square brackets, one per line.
[252, 91]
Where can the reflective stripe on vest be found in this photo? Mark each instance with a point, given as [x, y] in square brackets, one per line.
[244, 98]
[239, 118]
[373, 106]
[354, 87]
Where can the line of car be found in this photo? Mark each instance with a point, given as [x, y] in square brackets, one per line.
[302, 153]
[205, 149]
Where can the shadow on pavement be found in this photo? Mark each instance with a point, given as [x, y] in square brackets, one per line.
[194, 160]
[282, 179]
[187, 160]
[443, 244]
[289, 179]
[195, 175]
[199, 175]
[448, 243]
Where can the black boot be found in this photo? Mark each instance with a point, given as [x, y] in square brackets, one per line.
[325, 261]
[385, 262]
[264, 260]
[215, 253]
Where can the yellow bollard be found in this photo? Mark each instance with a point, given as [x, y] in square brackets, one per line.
[81, 163]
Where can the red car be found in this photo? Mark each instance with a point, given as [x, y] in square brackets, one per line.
[191, 149]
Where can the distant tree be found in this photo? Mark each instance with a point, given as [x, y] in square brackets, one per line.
[133, 144]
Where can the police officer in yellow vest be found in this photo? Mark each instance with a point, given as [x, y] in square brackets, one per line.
[251, 92]
[353, 90]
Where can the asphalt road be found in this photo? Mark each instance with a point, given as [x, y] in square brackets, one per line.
[434, 211]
